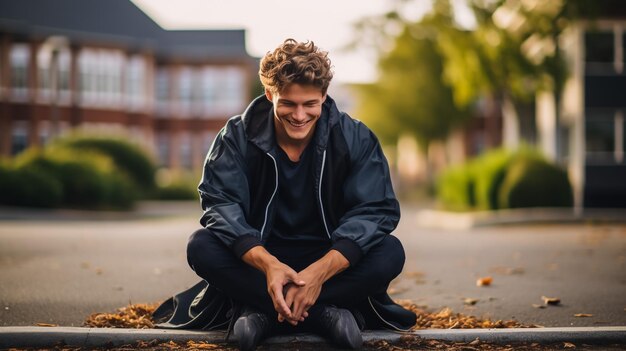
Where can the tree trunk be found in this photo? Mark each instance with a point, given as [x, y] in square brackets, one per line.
[510, 124]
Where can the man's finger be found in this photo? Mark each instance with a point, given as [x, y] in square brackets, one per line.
[293, 277]
[280, 301]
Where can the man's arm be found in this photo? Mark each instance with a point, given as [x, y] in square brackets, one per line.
[277, 274]
[301, 298]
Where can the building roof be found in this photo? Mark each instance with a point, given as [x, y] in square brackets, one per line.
[116, 22]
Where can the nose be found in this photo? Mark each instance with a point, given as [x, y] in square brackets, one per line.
[299, 114]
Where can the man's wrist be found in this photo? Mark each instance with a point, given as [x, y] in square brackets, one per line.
[259, 258]
[330, 265]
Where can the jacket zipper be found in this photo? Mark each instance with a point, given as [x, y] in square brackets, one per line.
[267, 208]
[320, 194]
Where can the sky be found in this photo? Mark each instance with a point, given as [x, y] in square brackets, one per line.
[328, 23]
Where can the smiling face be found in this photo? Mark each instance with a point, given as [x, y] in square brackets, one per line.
[297, 108]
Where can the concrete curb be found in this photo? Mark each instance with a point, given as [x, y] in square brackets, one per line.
[467, 220]
[103, 337]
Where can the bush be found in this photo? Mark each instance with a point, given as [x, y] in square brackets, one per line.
[493, 180]
[533, 182]
[176, 191]
[89, 180]
[455, 188]
[174, 185]
[126, 156]
[28, 187]
[490, 171]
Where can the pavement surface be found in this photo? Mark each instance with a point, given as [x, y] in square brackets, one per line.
[58, 267]
[99, 337]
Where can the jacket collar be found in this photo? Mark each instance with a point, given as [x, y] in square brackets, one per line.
[258, 121]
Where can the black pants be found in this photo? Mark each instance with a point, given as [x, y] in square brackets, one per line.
[217, 264]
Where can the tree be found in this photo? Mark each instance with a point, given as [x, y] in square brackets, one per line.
[510, 55]
[409, 95]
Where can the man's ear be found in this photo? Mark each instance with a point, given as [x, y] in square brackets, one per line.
[268, 95]
[324, 98]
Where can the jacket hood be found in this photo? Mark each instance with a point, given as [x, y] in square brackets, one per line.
[258, 122]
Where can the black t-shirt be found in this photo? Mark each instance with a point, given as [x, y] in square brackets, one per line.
[297, 215]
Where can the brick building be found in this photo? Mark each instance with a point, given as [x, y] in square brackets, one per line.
[106, 67]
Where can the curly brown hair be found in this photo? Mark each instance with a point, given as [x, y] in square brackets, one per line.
[294, 62]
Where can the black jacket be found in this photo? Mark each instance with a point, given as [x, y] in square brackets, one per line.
[238, 188]
[355, 198]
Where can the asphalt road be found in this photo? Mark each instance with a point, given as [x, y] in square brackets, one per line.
[59, 270]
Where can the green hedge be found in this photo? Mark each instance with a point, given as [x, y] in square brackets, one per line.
[127, 157]
[175, 185]
[88, 179]
[28, 187]
[500, 179]
[534, 182]
[455, 188]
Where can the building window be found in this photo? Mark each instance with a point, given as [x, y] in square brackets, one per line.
[600, 136]
[234, 90]
[135, 83]
[223, 91]
[162, 92]
[599, 52]
[19, 137]
[63, 76]
[208, 89]
[163, 149]
[186, 156]
[45, 128]
[19, 59]
[101, 77]
[186, 95]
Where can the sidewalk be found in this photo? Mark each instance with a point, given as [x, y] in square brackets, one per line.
[431, 218]
[12, 337]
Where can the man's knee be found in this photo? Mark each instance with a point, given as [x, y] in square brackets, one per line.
[201, 243]
[390, 257]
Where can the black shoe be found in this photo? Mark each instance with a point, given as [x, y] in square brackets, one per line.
[250, 329]
[339, 325]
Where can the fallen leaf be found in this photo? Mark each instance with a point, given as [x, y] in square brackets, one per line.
[569, 345]
[475, 342]
[551, 300]
[470, 301]
[538, 306]
[583, 315]
[485, 281]
[46, 325]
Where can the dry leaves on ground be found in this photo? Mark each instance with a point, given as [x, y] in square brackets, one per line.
[470, 301]
[484, 281]
[447, 319]
[551, 300]
[409, 343]
[137, 316]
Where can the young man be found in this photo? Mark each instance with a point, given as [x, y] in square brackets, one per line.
[299, 209]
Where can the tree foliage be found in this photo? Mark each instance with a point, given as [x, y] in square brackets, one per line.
[409, 95]
[432, 71]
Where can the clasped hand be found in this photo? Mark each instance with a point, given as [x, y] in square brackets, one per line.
[293, 293]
